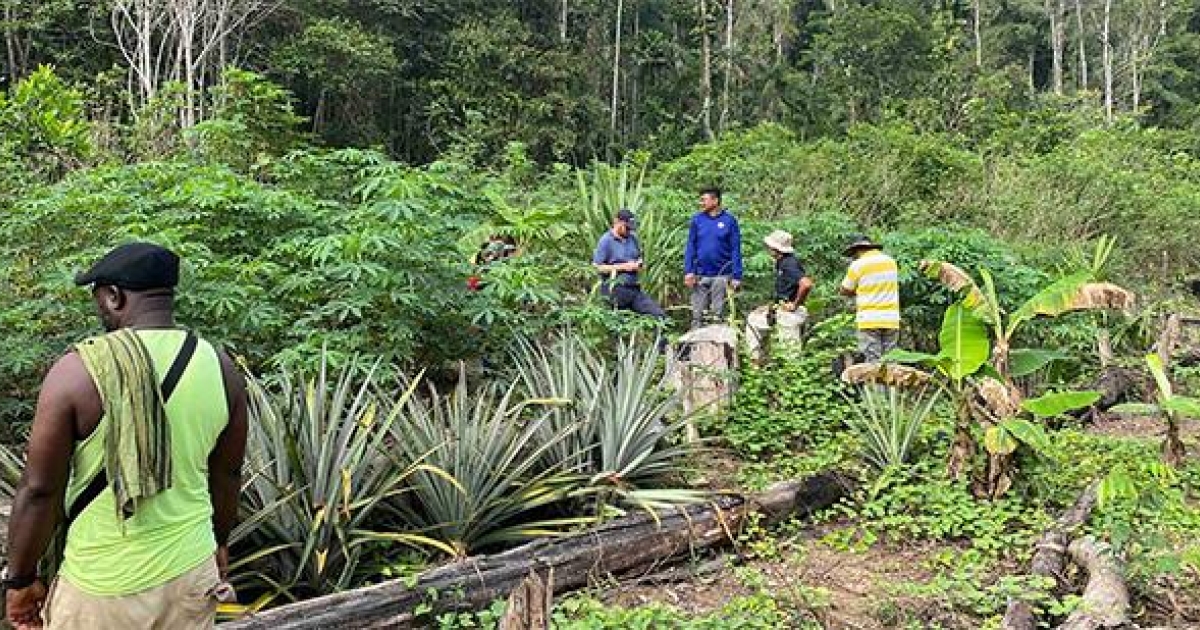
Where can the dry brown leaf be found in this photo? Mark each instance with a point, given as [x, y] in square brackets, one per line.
[1001, 400]
[954, 278]
[1102, 295]
[948, 274]
[890, 374]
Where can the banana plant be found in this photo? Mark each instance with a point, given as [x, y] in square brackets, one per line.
[1073, 292]
[1170, 406]
[1022, 426]
[962, 355]
[982, 398]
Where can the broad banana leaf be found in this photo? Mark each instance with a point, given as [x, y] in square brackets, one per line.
[1028, 433]
[911, 356]
[1183, 405]
[1026, 361]
[1071, 293]
[964, 341]
[1057, 403]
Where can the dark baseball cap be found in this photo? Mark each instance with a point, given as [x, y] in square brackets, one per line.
[134, 266]
[625, 214]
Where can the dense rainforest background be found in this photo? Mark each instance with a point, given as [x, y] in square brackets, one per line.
[578, 79]
[329, 169]
[1042, 124]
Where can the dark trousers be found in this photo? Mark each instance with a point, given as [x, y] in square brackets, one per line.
[632, 298]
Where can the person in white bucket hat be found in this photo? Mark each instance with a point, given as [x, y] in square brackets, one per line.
[792, 287]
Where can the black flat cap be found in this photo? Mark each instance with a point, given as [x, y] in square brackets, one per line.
[134, 266]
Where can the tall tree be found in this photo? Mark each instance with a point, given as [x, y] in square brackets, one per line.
[562, 23]
[616, 72]
[1081, 43]
[728, 75]
[1107, 60]
[705, 73]
[1056, 10]
[977, 10]
[180, 40]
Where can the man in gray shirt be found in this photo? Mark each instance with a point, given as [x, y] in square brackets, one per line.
[618, 258]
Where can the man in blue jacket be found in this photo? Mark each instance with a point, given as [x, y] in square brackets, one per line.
[712, 261]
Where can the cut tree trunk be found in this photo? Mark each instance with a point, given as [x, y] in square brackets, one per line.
[1105, 602]
[530, 603]
[1049, 560]
[702, 368]
[635, 543]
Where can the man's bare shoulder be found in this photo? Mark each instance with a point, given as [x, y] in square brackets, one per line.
[69, 372]
[69, 393]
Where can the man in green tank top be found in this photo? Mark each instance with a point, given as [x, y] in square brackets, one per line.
[139, 437]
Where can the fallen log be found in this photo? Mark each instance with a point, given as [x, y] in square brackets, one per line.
[1049, 559]
[1105, 602]
[634, 542]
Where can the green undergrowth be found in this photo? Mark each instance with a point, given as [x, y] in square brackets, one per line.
[789, 415]
[919, 503]
[979, 549]
[752, 612]
[765, 606]
[759, 611]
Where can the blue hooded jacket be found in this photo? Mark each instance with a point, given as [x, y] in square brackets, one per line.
[714, 246]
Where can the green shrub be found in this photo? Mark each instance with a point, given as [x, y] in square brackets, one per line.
[795, 401]
[252, 119]
[754, 612]
[42, 123]
[923, 301]
[920, 503]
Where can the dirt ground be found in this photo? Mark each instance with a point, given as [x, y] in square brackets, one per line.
[1114, 425]
[848, 590]
[840, 589]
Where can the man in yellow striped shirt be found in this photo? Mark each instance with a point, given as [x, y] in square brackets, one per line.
[873, 281]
